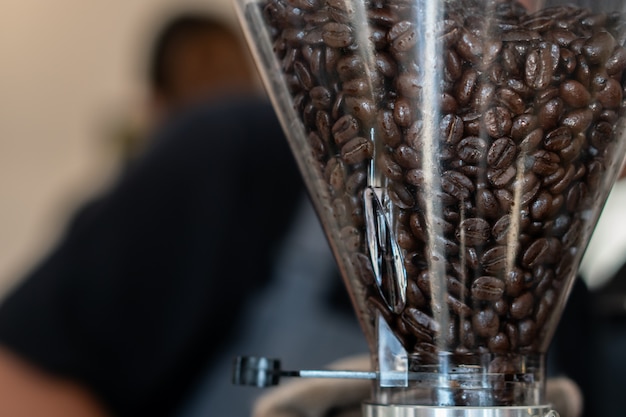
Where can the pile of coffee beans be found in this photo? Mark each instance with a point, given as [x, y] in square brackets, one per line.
[531, 111]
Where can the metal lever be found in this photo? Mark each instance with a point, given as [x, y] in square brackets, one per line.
[265, 372]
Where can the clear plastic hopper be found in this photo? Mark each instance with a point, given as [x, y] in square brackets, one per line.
[458, 154]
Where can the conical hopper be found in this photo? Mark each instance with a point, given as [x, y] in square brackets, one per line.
[458, 154]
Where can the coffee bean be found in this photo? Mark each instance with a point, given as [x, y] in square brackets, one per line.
[598, 47]
[545, 163]
[497, 122]
[402, 37]
[610, 96]
[457, 185]
[502, 153]
[494, 260]
[388, 129]
[574, 93]
[344, 129]
[486, 203]
[485, 323]
[409, 85]
[337, 35]
[551, 112]
[526, 331]
[499, 178]
[472, 149]
[357, 150]
[465, 86]
[451, 128]
[473, 231]
[487, 288]
[522, 306]
[407, 157]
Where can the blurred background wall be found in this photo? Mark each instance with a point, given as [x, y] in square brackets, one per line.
[71, 80]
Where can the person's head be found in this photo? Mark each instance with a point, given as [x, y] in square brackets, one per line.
[194, 56]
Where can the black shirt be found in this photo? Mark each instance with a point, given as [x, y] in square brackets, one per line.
[147, 281]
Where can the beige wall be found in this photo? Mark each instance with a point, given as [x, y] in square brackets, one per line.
[68, 70]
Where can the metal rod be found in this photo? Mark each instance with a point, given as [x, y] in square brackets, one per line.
[331, 374]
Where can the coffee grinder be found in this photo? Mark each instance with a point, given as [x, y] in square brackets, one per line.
[458, 154]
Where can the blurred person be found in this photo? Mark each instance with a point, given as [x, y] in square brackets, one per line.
[192, 56]
[146, 285]
[195, 56]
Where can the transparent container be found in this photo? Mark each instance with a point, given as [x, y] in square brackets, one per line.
[458, 154]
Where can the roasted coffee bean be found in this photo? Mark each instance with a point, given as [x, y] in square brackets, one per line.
[359, 87]
[486, 203]
[457, 185]
[537, 253]
[511, 100]
[409, 85]
[350, 66]
[402, 37]
[574, 93]
[539, 67]
[545, 163]
[356, 182]
[531, 141]
[401, 196]
[505, 199]
[485, 323]
[517, 281]
[610, 96]
[455, 287]
[335, 174]
[466, 85]
[526, 332]
[403, 112]
[407, 157]
[458, 307]
[572, 150]
[577, 120]
[501, 153]
[494, 260]
[557, 139]
[563, 181]
[414, 295]
[498, 344]
[598, 47]
[499, 178]
[357, 150]
[321, 97]
[542, 205]
[601, 135]
[500, 230]
[362, 108]
[472, 149]
[451, 128]
[616, 63]
[551, 112]
[522, 306]
[568, 60]
[522, 125]
[344, 129]
[469, 46]
[417, 318]
[337, 35]
[473, 231]
[390, 168]
[497, 122]
[487, 288]
[388, 129]
[318, 147]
